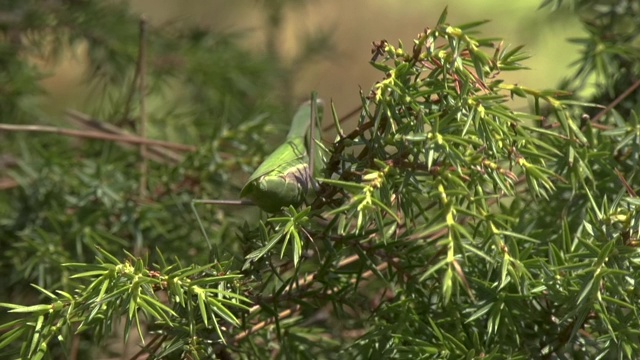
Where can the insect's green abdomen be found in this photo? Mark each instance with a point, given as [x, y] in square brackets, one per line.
[284, 177]
[277, 190]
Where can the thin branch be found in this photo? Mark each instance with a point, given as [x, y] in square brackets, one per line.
[156, 153]
[144, 165]
[626, 185]
[615, 102]
[7, 183]
[130, 139]
[151, 347]
[261, 325]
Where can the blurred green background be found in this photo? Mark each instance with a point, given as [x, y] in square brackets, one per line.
[353, 24]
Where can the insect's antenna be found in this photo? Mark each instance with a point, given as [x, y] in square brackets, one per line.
[204, 232]
[312, 132]
[339, 120]
[212, 247]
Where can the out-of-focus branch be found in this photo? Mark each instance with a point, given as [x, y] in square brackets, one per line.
[142, 59]
[130, 139]
[156, 153]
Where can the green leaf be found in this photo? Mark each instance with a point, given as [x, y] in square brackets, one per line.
[12, 335]
[31, 309]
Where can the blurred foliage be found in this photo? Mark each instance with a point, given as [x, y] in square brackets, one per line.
[445, 225]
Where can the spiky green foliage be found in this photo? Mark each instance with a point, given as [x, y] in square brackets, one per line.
[446, 225]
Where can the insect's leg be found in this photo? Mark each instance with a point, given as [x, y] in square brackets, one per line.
[315, 138]
[337, 121]
[312, 134]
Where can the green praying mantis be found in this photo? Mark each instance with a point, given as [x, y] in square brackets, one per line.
[287, 176]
